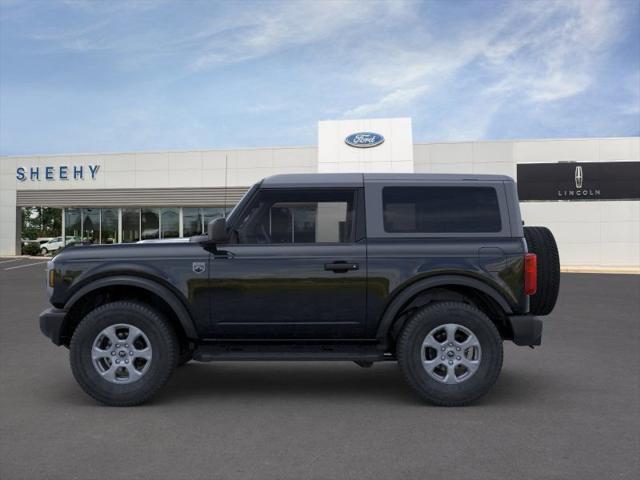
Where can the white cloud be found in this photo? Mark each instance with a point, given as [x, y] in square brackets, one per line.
[398, 98]
[552, 56]
[538, 51]
[285, 25]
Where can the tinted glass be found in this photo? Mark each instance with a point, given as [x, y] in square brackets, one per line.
[289, 216]
[150, 223]
[191, 222]
[440, 210]
[109, 226]
[72, 223]
[170, 222]
[130, 225]
[91, 225]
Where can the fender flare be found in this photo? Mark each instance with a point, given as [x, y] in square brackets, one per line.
[161, 291]
[400, 299]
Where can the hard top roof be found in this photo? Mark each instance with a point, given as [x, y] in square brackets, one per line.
[357, 179]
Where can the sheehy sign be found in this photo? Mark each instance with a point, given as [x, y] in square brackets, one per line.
[60, 172]
[579, 181]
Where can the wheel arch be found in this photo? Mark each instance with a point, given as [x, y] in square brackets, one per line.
[443, 288]
[107, 289]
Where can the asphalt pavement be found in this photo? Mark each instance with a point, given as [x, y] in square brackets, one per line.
[569, 409]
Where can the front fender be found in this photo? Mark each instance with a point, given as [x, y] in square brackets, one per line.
[170, 297]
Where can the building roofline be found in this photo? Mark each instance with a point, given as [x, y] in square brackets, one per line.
[144, 152]
[517, 140]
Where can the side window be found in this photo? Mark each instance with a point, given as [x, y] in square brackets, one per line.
[299, 216]
[441, 210]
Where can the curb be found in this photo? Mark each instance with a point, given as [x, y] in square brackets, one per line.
[609, 270]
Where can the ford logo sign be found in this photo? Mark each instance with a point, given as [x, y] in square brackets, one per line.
[364, 139]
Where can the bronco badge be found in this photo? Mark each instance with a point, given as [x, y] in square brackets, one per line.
[199, 267]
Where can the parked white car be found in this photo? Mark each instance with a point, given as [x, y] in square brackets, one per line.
[54, 244]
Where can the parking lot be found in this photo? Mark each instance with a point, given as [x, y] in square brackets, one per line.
[568, 409]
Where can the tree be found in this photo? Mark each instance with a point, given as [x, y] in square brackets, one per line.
[41, 222]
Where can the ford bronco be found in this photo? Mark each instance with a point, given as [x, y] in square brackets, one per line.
[431, 271]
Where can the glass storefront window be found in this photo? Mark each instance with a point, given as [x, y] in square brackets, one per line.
[97, 225]
[91, 225]
[72, 224]
[150, 220]
[170, 222]
[109, 226]
[191, 222]
[130, 225]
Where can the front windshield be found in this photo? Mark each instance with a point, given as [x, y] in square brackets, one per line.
[247, 194]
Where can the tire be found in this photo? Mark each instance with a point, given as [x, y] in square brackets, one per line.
[540, 241]
[461, 390]
[139, 385]
[44, 252]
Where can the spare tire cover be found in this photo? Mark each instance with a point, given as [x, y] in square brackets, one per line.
[540, 241]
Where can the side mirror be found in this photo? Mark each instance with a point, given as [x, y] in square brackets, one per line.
[217, 230]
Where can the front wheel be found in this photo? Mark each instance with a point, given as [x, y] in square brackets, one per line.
[44, 252]
[123, 352]
[450, 353]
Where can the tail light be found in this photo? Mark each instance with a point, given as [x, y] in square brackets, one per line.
[530, 273]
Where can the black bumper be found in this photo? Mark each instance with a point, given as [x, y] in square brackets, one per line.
[527, 330]
[51, 324]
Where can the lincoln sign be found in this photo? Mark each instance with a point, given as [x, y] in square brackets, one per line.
[579, 181]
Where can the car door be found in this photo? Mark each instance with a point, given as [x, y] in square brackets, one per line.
[295, 269]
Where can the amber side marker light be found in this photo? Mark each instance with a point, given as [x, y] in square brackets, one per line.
[530, 273]
[52, 277]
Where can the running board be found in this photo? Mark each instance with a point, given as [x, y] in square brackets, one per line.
[289, 352]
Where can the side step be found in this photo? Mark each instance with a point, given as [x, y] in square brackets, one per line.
[285, 352]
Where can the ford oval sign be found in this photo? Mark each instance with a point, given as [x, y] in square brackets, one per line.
[364, 139]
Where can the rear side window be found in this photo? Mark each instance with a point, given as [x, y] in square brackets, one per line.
[441, 210]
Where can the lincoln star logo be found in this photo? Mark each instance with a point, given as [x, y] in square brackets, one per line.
[364, 140]
[199, 267]
[579, 177]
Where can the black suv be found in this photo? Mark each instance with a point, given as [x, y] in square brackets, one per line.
[433, 271]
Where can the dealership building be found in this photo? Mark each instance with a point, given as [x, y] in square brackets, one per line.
[586, 190]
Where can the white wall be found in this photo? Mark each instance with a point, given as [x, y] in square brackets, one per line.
[589, 233]
[594, 233]
[8, 210]
[394, 155]
[199, 168]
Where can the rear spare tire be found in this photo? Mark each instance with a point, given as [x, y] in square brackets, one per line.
[540, 241]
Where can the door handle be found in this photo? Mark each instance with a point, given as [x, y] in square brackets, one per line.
[341, 267]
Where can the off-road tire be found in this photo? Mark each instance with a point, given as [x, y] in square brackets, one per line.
[540, 241]
[163, 342]
[409, 353]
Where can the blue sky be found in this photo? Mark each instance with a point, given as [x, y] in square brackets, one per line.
[89, 76]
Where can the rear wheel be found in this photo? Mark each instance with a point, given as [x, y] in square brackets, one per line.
[44, 251]
[540, 241]
[450, 353]
[123, 352]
